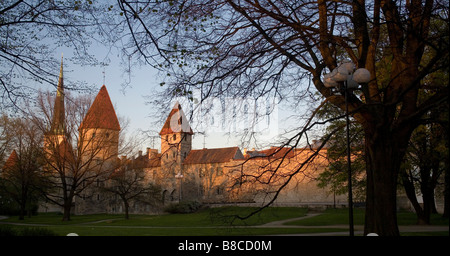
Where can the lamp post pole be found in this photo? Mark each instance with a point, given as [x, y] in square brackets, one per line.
[349, 165]
[345, 73]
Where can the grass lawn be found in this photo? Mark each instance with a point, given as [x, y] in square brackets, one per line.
[340, 217]
[207, 222]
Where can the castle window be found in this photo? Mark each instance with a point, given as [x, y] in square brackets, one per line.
[107, 135]
[174, 137]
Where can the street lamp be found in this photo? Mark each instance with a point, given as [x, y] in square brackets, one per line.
[179, 176]
[351, 79]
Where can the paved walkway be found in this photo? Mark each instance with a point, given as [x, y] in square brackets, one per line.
[358, 229]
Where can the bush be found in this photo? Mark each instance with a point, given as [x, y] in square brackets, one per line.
[184, 207]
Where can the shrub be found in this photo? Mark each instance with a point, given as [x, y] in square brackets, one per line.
[183, 207]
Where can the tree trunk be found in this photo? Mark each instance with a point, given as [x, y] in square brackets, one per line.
[384, 154]
[67, 207]
[68, 198]
[428, 203]
[126, 206]
[411, 194]
[22, 203]
[446, 190]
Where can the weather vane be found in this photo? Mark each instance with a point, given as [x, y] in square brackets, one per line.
[104, 76]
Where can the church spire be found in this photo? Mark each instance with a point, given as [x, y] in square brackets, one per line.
[57, 126]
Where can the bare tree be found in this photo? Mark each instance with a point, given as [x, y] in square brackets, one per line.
[266, 48]
[6, 137]
[31, 31]
[129, 183]
[77, 158]
[21, 174]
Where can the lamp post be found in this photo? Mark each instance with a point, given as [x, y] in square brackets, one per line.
[179, 176]
[346, 75]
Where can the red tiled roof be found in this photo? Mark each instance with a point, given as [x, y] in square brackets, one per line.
[144, 162]
[12, 161]
[64, 151]
[176, 122]
[213, 155]
[101, 114]
[273, 152]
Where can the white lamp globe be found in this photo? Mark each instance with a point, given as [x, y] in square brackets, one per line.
[361, 76]
[343, 71]
[329, 82]
[346, 67]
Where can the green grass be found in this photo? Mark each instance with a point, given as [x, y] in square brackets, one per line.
[207, 222]
[81, 230]
[214, 221]
[332, 217]
[223, 216]
[56, 218]
[340, 217]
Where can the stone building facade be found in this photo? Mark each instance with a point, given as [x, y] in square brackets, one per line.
[281, 175]
[228, 176]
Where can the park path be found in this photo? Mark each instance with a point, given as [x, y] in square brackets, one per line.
[358, 229]
[280, 223]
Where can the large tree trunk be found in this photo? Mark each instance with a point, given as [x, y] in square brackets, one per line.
[67, 207]
[446, 190]
[127, 207]
[384, 154]
[66, 214]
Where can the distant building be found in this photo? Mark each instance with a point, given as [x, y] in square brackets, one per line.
[227, 175]
[212, 176]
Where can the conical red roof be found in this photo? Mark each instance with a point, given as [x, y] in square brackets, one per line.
[101, 114]
[176, 122]
[12, 162]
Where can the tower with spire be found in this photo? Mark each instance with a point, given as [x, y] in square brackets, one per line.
[99, 131]
[176, 139]
[57, 131]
